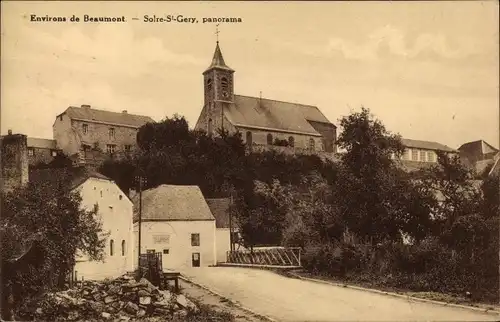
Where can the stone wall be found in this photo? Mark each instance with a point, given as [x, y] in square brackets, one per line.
[14, 161]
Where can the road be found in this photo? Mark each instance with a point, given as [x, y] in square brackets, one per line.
[287, 299]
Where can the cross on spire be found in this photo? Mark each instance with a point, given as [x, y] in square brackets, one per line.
[217, 32]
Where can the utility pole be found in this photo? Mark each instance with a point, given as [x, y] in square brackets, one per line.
[140, 178]
[230, 223]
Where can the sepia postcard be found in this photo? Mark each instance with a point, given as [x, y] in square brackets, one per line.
[250, 161]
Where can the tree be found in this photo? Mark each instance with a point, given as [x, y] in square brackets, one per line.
[52, 210]
[377, 200]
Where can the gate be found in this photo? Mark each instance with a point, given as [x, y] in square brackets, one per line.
[151, 267]
[289, 257]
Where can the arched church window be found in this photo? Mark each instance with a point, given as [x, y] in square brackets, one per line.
[123, 247]
[224, 83]
[209, 84]
[270, 139]
[209, 127]
[249, 138]
[291, 141]
[311, 144]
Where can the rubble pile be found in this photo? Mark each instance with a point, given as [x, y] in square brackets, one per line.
[122, 299]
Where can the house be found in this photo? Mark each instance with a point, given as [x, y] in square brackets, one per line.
[115, 211]
[224, 226]
[478, 155]
[422, 154]
[176, 221]
[264, 123]
[80, 130]
[41, 150]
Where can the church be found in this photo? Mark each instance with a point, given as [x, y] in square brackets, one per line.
[262, 122]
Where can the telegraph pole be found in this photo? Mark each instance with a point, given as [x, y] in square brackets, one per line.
[140, 178]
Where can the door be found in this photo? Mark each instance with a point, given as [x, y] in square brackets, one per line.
[195, 260]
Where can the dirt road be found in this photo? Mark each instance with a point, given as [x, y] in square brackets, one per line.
[286, 299]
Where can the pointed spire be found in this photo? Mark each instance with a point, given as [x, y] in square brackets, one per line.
[218, 60]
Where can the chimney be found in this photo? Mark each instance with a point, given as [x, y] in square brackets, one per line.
[85, 106]
[9, 132]
[124, 112]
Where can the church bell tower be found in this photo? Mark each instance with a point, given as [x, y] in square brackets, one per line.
[218, 80]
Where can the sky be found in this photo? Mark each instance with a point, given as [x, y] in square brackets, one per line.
[427, 70]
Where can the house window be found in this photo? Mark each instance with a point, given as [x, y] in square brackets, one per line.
[270, 139]
[249, 138]
[406, 154]
[111, 148]
[414, 155]
[422, 156]
[123, 247]
[209, 127]
[96, 206]
[120, 197]
[195, 239]
[31, 152]
[128, 147]
[54, 153]
[311, 144]
[85, 128]
[60, 117]
[111, 133]
[430, 156]
[150, 251]
[195, 259]
[111, 247]
[291, 141]
[166, 251]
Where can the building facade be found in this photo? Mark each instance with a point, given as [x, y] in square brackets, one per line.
[14, 161]
[115, 211]
[85, 131]
[422, 154]
[41, 150]
[176, 221]
[262, 122]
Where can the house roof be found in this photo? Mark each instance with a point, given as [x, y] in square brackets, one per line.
[118, 118]
[172, 203]
[220, 210]
[218, 60]
[74, 176]
[41, 143]
[478, 147]
[254, 112]
[426, 145]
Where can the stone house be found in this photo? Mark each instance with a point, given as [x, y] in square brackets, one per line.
[84, 130]
[176, 221]
[262, 122]
[41, 150]
[478, 155]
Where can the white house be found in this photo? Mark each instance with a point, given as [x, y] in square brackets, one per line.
[115, 210]
[176, 221]
[223, 222]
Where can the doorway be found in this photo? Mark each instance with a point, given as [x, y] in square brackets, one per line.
[195, 260]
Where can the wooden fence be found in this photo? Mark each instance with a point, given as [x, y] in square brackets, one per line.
[268, 257]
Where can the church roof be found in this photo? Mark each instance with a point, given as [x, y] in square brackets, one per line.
[172, 203]
[261, 113]
[87, 113]
[426, 145]
[218, 60]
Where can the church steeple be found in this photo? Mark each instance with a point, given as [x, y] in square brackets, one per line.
[218, 80]
[218, 60]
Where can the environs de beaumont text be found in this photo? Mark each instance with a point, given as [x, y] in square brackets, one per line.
[145, 18]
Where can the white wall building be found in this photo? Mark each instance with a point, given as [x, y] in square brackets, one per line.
[115, 210]
[177, 222]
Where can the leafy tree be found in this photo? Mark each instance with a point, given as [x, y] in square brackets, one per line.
[52, 210]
